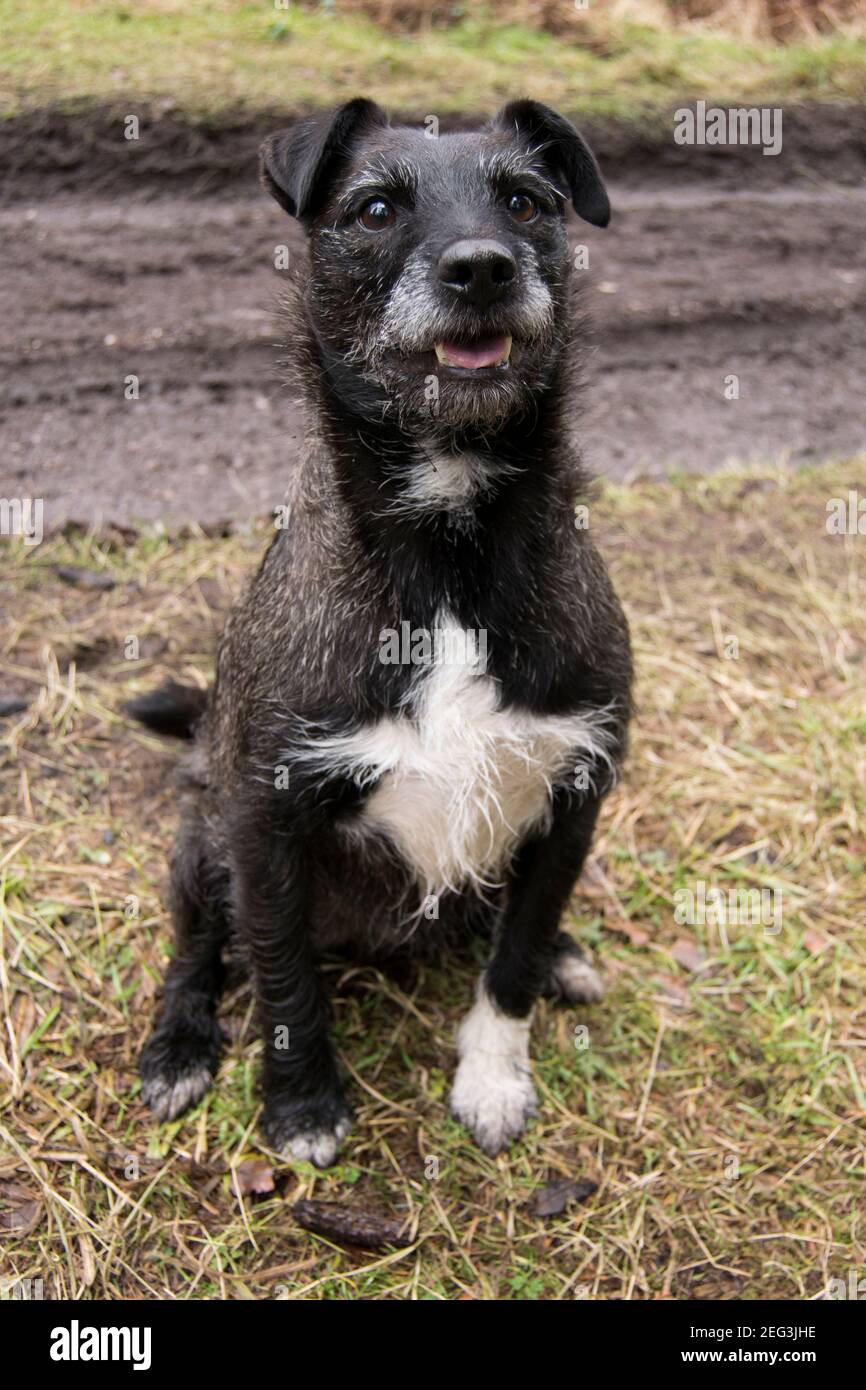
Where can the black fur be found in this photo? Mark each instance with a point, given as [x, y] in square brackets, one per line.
[299, 660]
[173, 709]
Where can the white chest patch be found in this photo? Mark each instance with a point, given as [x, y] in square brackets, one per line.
[440, 481]
[458, 780]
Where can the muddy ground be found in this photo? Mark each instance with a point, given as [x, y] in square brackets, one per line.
[715, 265]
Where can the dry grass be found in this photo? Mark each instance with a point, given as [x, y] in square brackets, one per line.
[594, 24]
[720, 1102]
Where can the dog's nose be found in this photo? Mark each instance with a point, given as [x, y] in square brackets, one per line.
[479, 270]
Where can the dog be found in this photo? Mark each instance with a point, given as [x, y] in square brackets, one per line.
[424, 696]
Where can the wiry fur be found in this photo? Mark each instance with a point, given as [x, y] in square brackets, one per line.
[329, 794]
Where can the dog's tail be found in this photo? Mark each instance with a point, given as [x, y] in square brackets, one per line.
[172, 709]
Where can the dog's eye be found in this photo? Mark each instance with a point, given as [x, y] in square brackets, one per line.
[523, 207]
[376, 215]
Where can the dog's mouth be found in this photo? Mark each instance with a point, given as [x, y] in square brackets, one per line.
[474, 356]
[465, 358]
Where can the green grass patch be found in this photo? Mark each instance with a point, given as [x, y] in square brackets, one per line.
[220, 57]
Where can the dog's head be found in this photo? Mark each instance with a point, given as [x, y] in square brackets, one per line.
[439, 264]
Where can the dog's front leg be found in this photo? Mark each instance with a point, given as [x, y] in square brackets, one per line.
[305, 1113]
[493, 1093]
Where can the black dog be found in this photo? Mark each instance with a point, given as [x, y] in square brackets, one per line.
[424, 695]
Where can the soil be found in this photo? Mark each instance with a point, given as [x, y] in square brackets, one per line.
[717, 264]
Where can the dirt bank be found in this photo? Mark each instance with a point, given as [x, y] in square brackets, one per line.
[705, 273]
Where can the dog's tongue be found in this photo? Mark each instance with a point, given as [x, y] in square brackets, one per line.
[486, 353]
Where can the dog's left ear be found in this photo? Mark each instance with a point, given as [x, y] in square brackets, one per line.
[299, 165]
[565, 151]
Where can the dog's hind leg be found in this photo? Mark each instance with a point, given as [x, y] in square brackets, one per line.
[180, 1059]
[571, 980]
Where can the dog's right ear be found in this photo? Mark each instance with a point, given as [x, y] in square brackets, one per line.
[299, 165]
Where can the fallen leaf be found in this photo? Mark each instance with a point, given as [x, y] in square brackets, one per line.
[554, 1197]
[814, 942]
[672, 991]
[688, 954]
[350, 1225]
[83, 578]
[20, 1209]
[254, 1175]
[636, 935]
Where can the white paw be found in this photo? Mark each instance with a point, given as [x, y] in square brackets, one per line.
[576, 979]
[493, 1104]
[319, 1146]
[168, 1096]
[493, 1094]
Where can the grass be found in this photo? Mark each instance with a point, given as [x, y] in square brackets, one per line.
[719, 1103]
[204, 60]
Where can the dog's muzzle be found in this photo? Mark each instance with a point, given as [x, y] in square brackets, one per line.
[469, 308]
